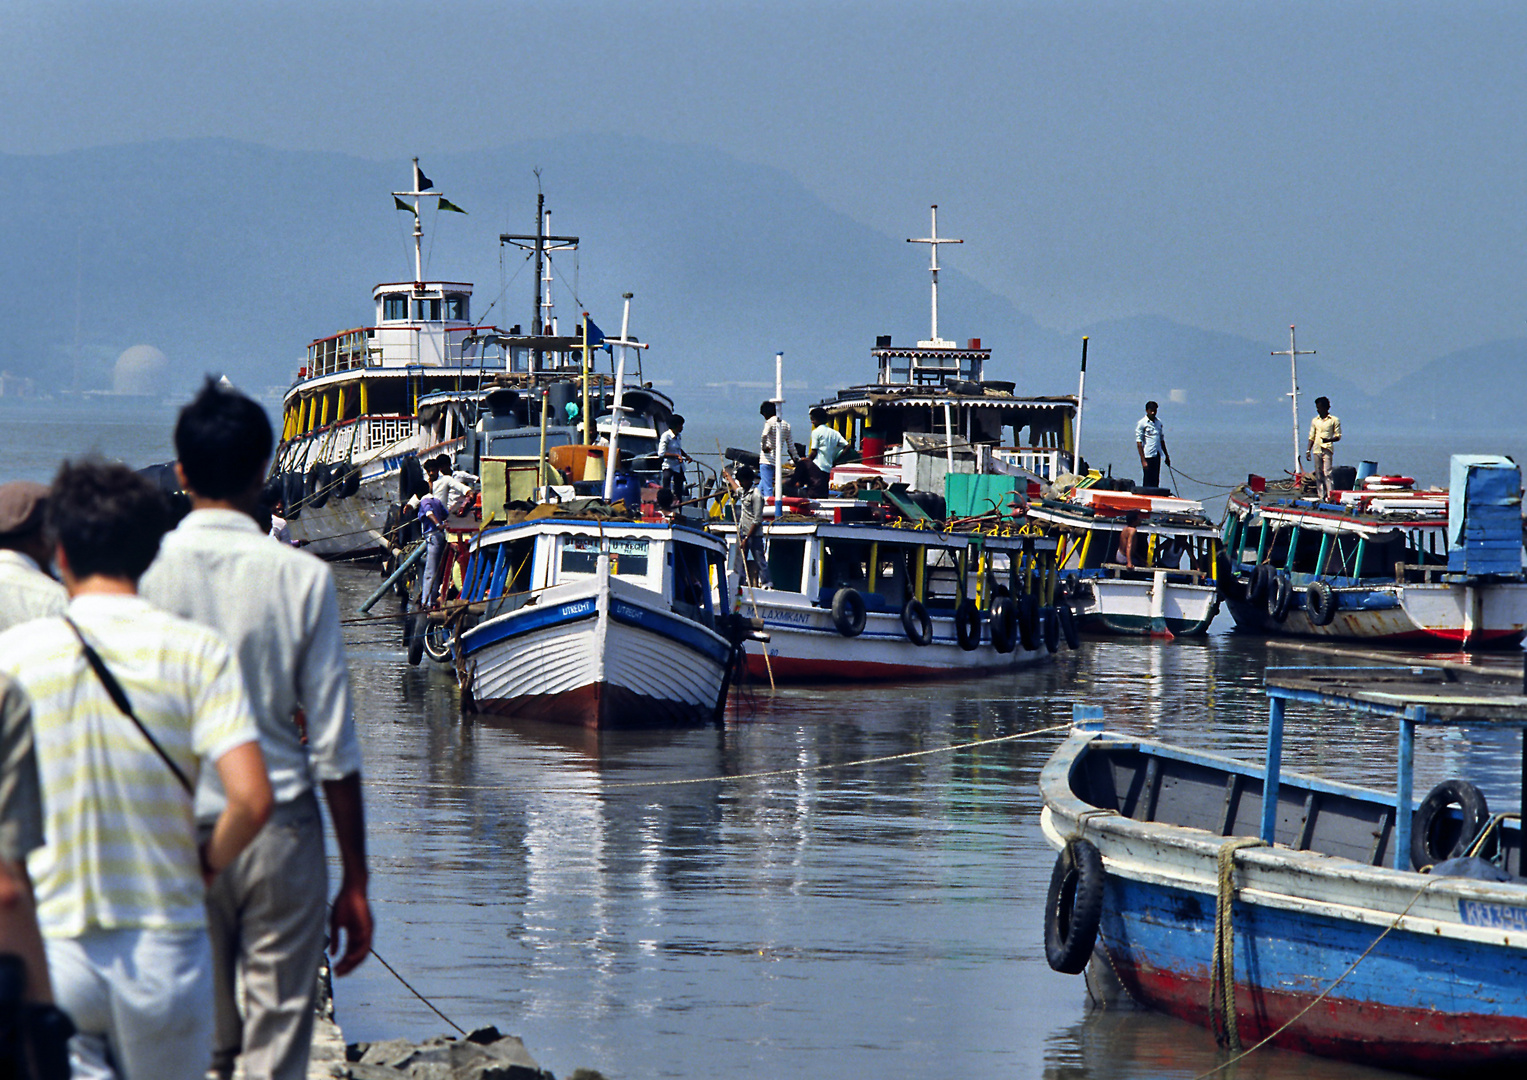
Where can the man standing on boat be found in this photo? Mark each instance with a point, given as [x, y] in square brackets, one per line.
[822, 453]
[26, 592]
[1325, 433]
[776, 436]
[670, 448]
[753, 564]
[1150, 441]
[277, 607]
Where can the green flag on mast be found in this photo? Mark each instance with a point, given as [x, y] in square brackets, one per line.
[446, 204]
[401, 205]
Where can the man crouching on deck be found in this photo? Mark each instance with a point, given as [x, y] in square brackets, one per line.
[129, 708]
[277, 608]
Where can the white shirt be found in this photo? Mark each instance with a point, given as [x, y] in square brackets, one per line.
[26, 593]
[277, 608]
[1151, 435]
[448, 489]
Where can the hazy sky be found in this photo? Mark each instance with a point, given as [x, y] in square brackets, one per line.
[1355, 168]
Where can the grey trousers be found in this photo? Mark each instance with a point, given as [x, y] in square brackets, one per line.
[267, 918]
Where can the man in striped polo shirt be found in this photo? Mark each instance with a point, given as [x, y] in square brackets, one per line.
[121, 879]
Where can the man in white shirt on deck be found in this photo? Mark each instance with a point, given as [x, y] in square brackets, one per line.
[26, 591]
[774, 439]
[277, 607]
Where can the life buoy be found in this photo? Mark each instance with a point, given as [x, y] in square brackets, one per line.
[1074, 906]
[1049, 628]
[967, 624]
[1004, 624]
[848, 612]
[1320, 602]
[1435, 834]
[320, 484]
[411, 480]
[917, 624]
[1067, 619]
[352, 481]
[1028, 621]
[1279, 594]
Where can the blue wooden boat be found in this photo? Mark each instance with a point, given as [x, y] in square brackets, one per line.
[1304, 920]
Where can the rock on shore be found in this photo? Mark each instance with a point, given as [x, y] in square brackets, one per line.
[485, 1054]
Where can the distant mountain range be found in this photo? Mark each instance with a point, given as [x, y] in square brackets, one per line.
[230, 257]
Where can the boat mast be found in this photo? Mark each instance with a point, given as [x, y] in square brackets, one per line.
[541, 243]
[422, 187]
[933, 240]
[1293, 355]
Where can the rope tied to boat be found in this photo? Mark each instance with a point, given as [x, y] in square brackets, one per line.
[1222, 1015]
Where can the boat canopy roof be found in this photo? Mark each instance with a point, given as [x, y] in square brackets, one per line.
[1421, 694]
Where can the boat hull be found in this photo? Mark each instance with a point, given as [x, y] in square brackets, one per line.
[1417, 972]
[1146, 607]
[611, 659]
[1487, 615]
[805, 646]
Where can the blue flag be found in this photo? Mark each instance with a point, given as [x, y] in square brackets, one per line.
[595, 335]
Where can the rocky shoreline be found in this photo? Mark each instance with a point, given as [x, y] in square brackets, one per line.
[484, 1054]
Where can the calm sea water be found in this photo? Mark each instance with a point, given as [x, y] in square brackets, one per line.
[837, 882]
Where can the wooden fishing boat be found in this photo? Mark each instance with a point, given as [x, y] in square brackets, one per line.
[1384, 562]
[1171, 590]
[596, 622]
[1305, 918]
[859, 600]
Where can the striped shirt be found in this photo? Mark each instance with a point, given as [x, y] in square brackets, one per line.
[121, 837]
[26, 593]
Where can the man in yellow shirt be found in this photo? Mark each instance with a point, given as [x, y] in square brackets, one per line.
[1325, 433]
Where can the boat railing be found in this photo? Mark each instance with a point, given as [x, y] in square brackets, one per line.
[1040, 460]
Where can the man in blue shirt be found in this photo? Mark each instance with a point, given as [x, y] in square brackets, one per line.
[1150, 440]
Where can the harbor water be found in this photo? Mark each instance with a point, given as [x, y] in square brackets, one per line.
[839, 881]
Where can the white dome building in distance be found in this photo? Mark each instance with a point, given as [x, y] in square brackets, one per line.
[141, 370]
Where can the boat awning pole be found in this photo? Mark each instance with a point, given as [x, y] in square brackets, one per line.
[779, 443]
[1272, 776]
[1403, 802]
[1081, 386]
[588, 424]
[616, 410]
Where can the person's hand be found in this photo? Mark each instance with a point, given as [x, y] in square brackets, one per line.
[1166, 457]
[1307, 456]
[351, 915]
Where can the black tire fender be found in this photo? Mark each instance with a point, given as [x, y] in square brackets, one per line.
[411, 480]
[1028, 621]
[848, 612]
[413, 637]
[1074, 906]
[1049, 628]
[352, 481]
[1256, 585]
[1434, 834]
[1004, 624]
[917, 624]
[438, 645]
[1320, 602]
[320, 484]
[967, 624]
[1067, 619]
[1279, 594]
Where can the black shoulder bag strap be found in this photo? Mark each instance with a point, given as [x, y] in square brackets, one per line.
[119, 698]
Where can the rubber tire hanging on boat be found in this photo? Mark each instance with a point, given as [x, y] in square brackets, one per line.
[320, 484]
[1049, 627]
[1432, 827]
[291, 485]
[438, 645]
[967, 624]
[1320, 602]
[917, 624]
[1067, 619]
[1004, 624]
[1279, 595]
[351, 482]
[848, 612]
[411, 480]
[1028, 621]
[1256, 586]
[1074, 906]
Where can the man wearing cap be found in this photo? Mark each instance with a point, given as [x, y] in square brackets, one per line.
[26, 591]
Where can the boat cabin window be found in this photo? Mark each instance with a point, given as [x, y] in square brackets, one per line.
[787, 562]
[427, 309]
[879, 572]
[455, 307]
[394, 307]
[696, 578]
[580, 556]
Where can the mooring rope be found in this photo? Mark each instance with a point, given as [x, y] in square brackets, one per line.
[1222, 1017]
[1291, 1021]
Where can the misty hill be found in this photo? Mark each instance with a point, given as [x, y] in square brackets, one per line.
[230, 257]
